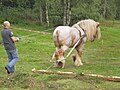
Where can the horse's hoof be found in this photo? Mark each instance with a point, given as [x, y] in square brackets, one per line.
[74, 58]
[60, 64]
[81, 63]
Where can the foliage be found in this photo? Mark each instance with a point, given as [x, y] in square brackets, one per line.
[20, 11]
[118, 8]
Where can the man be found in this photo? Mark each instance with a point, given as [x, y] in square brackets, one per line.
[9, 44]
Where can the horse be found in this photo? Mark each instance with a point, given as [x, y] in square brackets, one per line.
[65, 37]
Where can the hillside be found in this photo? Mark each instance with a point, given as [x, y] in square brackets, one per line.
[36, 49]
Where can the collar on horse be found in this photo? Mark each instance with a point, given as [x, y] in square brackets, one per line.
[84, 35]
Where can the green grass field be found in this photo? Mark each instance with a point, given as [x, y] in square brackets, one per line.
[35, 51]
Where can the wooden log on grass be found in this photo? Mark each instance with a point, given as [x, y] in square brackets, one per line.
[109, 78]
[51, 72]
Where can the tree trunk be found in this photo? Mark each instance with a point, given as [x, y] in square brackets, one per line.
[105, 5]
[68, 12]
[47, 17]
[1, 2]
[41, 16]
[65, 12]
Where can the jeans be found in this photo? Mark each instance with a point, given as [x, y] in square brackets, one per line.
[12, 58]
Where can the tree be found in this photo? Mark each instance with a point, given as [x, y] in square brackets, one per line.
[67, 12]
[108, 9]
[41, 8]
[47, 16]
[117, 2]
[58, 12]
[84, 9]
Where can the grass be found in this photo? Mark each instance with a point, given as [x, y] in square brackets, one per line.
[99, 57]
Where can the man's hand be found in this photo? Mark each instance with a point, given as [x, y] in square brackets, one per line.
[14, 39]
[17, 38]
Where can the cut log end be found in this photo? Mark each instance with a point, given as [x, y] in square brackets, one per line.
[33, 70]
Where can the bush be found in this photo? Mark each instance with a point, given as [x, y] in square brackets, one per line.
[56, 21]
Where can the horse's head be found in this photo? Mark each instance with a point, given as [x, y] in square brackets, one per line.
[91, 28]
[59, 55]
[96, 32]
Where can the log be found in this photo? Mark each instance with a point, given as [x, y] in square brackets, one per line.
[51, 72]
[109, 78]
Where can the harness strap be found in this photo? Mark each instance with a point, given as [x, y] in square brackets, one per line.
[84, 35]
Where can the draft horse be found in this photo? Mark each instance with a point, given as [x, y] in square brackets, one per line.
[66, 37]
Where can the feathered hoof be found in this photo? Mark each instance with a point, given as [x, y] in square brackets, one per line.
[74, 58]
[78, 64]
[81, 63]
[59, 65]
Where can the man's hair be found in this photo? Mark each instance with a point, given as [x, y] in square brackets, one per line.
[6, 23]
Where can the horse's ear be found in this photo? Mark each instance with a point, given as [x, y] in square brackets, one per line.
[98, 24]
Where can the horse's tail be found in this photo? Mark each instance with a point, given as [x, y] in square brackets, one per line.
[56, 38]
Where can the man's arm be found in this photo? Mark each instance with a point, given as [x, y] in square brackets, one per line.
[14, 39]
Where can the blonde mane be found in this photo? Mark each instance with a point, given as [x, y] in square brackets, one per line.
[91, 28]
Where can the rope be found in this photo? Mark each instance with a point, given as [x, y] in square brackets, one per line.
[35, 32]
[73, 47]
[29, 35]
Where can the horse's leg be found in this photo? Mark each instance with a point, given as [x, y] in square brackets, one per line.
[78, 58]
[64, 48]
[59, 55]
[62, 61]
[53, 56]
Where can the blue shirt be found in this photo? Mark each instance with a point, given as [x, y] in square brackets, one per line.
[6, 36]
